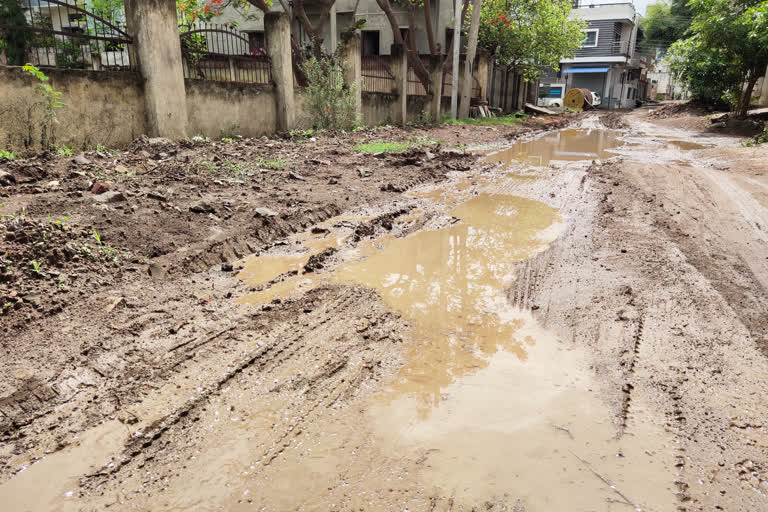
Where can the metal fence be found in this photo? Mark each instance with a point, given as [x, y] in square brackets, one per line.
[377, 74]
[221, 53]
[63, 34]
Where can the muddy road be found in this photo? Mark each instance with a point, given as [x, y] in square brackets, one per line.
[572, 319]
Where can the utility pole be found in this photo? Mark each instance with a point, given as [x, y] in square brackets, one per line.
[456, 51]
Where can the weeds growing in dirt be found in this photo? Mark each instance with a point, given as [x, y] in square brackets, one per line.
[330, 104]
[49, 103]
[6, 155]
[760, 138]
[395, 147]
[64, 151]
[275, 164]
[230, 133]
[36, 268]
[509, 120]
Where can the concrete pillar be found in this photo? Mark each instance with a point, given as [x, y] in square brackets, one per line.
[277, 31]
[436, 75]
[400, 87]
[332, 27]
[351, 62]
[154, 27]
[482, 74]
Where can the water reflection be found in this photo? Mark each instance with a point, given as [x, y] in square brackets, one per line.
[569, 145]
[449, 285]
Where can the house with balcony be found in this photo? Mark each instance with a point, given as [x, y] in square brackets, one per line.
[376, 36]
[607, 62]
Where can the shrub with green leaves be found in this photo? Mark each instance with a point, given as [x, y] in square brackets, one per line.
[330, 104]
[50, 102]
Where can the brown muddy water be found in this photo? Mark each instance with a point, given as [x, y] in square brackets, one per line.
[567, 145]
[501, 406]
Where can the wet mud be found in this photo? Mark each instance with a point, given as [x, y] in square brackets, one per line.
[559, 328]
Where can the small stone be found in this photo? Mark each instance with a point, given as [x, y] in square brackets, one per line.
[296, 176]
[227, 267]
[7, 179]
[202, 207]
[99, 187]
[264, 212]
[333, 181]
[109, 197]
[81, 160]
[363, 172]
[121, 169]
[52, 184]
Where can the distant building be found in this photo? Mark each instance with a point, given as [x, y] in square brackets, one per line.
[376, 36]
[607, 63]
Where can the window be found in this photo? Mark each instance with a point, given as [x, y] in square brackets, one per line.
[256, 42]
[590, 40]
[406, 35]
[629, 92]
[370, 43]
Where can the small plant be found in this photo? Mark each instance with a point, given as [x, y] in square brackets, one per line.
[50, 103]
[107, 251]
[64, 151]
[200, 138]
[760, 138]
[85, 250]
[36, 268]
[231, 133]
[331, 105]
[382, 147]
[62, 284]
[273, 163]
[6, 155]
[302, 133]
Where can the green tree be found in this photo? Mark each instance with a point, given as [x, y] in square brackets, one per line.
[529, 36]
[727, 52]
[665, 23]
[14, 42]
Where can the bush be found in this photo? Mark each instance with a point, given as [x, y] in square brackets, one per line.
[330, 104]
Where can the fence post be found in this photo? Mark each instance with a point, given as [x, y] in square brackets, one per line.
[277, 29]
[400, 87]
[436, 75]
[482, 74]
[351, 62]
[155, 32]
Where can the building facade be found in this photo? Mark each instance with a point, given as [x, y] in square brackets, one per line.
[607, 63]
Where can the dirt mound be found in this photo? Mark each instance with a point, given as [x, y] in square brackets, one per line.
[681, 109]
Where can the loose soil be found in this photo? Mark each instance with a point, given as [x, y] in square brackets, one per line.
[574, 320]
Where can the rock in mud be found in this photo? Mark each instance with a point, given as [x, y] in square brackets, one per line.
[296, 176]
[156, 272]
[99, 187]
[109, 197]
[81, 160]
[264, 212]
[364, 172]
[7, 179]
[202, 207]
[317, 261]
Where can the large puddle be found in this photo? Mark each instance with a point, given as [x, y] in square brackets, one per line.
[567, 145]
[499, 405]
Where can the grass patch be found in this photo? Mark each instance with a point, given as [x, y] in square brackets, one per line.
[273, 163]
[509, 120]
[6, 155]
[395, 147]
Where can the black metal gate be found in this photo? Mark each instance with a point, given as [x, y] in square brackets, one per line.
[63, 34]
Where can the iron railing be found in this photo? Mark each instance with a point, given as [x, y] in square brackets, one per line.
[63, 34]
[377, 74]
[221, 53]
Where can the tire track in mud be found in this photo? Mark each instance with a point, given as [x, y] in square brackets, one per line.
[283, 351]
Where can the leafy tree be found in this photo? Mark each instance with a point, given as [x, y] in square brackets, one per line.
[14, 42]
[529, 36]
[665, 23]
[729, 48]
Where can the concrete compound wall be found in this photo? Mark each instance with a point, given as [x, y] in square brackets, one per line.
[212, 107]
[108, 108]
[378, 108]
[102, 107]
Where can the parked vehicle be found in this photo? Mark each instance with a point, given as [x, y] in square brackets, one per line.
[551, 95]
